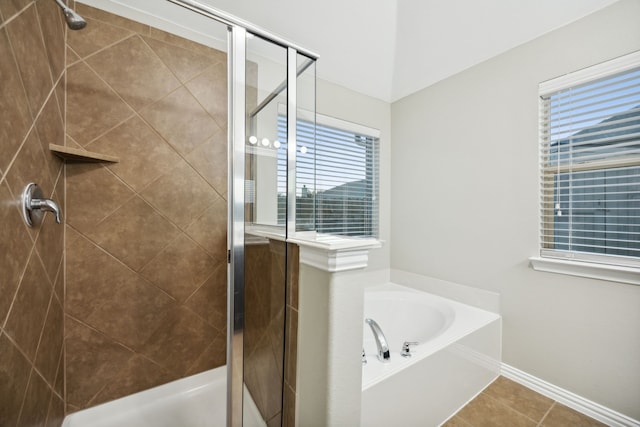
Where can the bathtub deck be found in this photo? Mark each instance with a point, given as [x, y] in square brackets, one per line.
[443, 375]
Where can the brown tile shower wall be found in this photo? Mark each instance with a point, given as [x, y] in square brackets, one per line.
[146, 237]
[31, 273]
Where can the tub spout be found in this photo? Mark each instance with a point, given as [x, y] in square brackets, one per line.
[381, 341]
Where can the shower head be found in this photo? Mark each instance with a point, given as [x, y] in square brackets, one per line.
[74, 21]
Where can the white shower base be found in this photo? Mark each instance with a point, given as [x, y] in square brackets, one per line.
[196, 401]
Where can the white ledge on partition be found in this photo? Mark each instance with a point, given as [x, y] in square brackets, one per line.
[333, 253]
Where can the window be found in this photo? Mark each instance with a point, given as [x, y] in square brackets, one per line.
[590, 164]
[336, 177]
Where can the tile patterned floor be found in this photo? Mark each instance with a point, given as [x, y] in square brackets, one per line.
[509, 404]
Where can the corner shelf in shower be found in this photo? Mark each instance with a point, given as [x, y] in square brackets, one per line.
[77, 155]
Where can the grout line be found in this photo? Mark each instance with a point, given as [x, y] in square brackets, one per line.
[99, 332]
[114, 92]
[110, 213]
[205, 250]
[161, 251]
[509, 407]
[49, 406]
[547, 413]
[161, 60]
[15, 295]
[15, 344]
[197, 359]
[135, 34]
[58, 365]
[24, 396]
[203, 141]
[210, 67]
[119, 261]
[218, 331]
[43, 44]
[90, 403]
[66, 61]
[89, 14]
[16, 15]
[32, 127]
[102, 49]
[213, 272]
[44, 324]
[193, 46]
[40, 257]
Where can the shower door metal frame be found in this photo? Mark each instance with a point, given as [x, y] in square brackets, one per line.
[236, 121]
[235, 229]
[292, 146]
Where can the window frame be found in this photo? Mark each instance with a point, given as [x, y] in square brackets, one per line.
[599, 266]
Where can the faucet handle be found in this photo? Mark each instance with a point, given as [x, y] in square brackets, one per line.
[406, 350]
[34, 205]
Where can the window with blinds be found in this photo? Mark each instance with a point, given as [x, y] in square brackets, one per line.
[336, 177]
[590, 165]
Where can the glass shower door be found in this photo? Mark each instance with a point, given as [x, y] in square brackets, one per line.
[265, 231]
[264, 75]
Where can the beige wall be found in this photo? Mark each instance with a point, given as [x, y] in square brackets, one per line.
[464, 209]
[31, 274]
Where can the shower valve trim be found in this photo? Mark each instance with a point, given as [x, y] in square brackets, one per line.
[34, 206]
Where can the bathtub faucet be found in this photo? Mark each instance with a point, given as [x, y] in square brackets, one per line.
[381, 341]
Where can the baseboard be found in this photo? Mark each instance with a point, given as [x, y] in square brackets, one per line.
[594, 410]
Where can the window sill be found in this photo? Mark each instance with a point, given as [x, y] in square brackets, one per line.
[612, 273]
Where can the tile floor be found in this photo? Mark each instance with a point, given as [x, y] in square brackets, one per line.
[509, 404]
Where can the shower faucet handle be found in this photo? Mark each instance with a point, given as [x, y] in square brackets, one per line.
[34, 205]
[406, 350]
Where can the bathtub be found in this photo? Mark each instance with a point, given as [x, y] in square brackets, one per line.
[458, 355]
[195, 401]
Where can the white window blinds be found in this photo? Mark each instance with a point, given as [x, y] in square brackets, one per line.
[336, 178]
[590, 167]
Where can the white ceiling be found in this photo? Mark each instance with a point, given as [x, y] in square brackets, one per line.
[387, 49]
[391, 48]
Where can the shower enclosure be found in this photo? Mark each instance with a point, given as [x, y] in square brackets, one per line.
[165, 132]
[179, 251]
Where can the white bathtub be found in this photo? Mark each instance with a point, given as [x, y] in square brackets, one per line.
[195, 401]
[458, 355]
